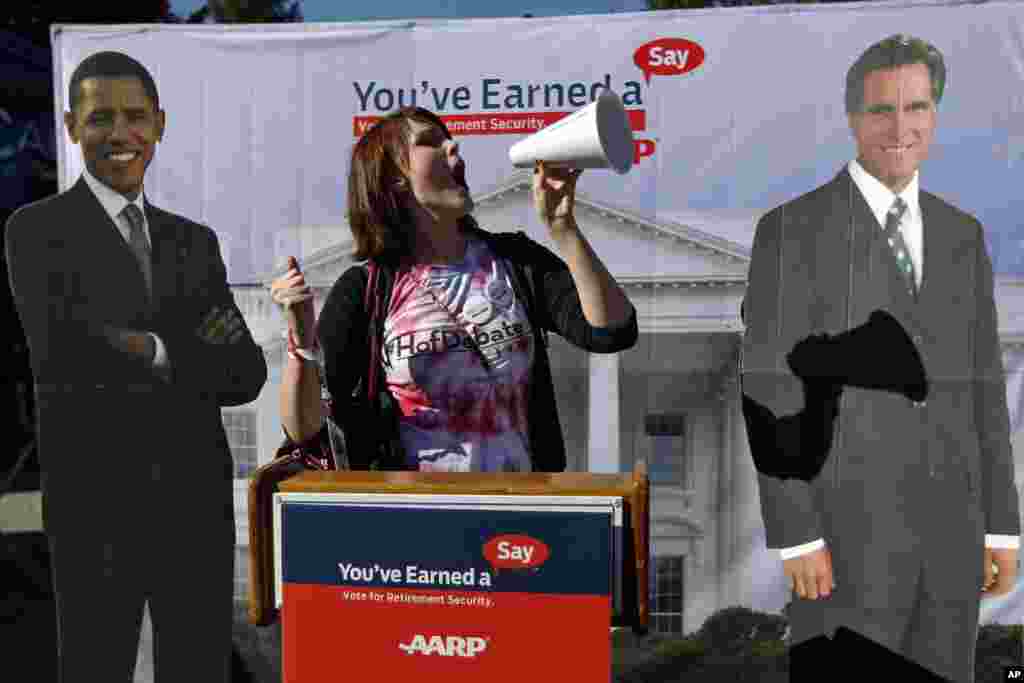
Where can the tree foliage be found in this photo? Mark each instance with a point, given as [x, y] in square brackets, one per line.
[31, 19]
[247, 12]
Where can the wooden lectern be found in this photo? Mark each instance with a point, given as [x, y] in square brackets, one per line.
[632, 488]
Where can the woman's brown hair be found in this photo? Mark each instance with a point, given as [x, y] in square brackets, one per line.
[380, 158]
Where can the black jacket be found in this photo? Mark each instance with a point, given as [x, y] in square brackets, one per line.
[540, 279]
[113, 436]
[905, 487]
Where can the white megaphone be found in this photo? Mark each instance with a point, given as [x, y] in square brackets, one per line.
[596, 136]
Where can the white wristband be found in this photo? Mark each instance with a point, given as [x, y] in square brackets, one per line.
[309, 354]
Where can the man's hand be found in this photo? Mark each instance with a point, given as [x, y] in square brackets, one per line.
[811, 574]
[222, 325]
[999, 580]
[131, 341]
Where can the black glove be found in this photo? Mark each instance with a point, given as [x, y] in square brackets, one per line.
[876, 355]
[794, 446]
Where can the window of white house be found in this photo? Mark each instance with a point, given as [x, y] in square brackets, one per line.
[240, 426]
[666, 463]
[666, 594]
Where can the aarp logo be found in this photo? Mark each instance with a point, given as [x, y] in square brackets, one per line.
[445, 646]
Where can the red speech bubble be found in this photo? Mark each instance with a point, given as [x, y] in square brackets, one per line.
[668, 57]
[516, 551]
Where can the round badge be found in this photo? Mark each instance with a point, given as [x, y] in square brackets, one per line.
[499, 293]
[478, 311]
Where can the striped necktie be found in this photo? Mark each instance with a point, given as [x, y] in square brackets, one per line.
[139, 245]
[899, 247]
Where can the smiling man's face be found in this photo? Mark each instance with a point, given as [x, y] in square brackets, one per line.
[117, 126]
[895, 128]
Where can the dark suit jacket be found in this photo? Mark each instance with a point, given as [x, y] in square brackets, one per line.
[903, 486]
[120, 448]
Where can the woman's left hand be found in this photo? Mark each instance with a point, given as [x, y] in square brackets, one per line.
[554, 196]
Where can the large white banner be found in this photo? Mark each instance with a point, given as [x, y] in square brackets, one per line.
[734, 111]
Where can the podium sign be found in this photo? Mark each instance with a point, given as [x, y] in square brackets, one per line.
[447, 587]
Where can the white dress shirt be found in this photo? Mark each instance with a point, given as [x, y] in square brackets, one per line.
[114, 203]
[879, 199]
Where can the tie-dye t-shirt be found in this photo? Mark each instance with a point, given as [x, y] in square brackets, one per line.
[457, 354]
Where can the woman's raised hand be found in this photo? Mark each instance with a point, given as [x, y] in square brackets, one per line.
[554, 196]
[295, 298]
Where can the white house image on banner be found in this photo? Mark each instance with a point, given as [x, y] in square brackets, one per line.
[673, 399]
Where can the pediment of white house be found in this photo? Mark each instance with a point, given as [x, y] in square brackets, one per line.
[684, 271]
[633, 247]
[666, 266]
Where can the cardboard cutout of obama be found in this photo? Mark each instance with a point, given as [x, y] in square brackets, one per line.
[136, 344]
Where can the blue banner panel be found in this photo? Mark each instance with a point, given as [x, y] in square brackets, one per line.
[469, 550]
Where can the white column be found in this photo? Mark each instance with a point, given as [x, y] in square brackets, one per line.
[726, 528]
[603, 427]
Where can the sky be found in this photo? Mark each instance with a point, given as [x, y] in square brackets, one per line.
[335, 10]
